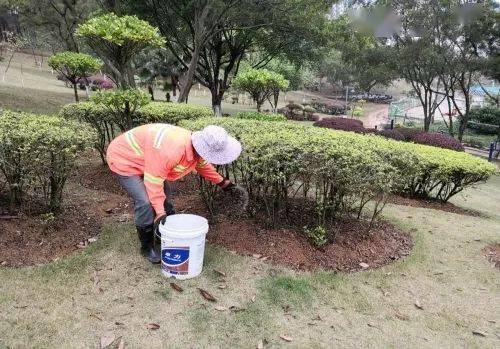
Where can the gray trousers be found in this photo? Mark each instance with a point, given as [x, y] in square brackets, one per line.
[144, 212]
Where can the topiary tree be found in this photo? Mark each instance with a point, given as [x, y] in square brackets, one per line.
[117, 40]
[261, 84]
[122, 104]
[74, 66]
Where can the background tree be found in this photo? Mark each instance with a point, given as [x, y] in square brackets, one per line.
[74, 66]
[364, 62]
[210, 38]
[261, 84]
[116, 40]
[57, 18]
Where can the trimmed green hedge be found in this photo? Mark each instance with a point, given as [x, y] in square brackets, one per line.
[171, 113]
[37, 152]
[105, 122]
[255, 115]
[340, 170]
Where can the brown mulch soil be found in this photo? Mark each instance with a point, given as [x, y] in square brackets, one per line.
[93, 196]
[432, 204]
[492, 252]
[350, 247]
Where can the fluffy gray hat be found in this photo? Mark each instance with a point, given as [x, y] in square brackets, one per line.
[215, 145]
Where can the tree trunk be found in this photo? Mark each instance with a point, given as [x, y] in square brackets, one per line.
[217, 102]
[450, 117]
[75, 89]
[464, 118]
[175, 82]
[425, 106]
[151, 92]
[186, 81]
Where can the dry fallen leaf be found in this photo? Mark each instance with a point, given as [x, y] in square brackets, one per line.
[176, 287]
[207, 295]
[401, 316]
[262, 344]
[286, 338]
[256, 255]
[220, 308]
[220, 272]
[418, 305]
[236, 308]
[222, 286]
[479, 333]
[364, 265]
[121, 345]
[107, 339]
[152, 326]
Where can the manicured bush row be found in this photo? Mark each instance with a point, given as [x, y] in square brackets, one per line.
[283, 161]
[170, 113]
[37, 152]
[251, 115]
[340, 170]
[106, 122]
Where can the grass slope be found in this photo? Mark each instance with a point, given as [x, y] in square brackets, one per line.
[60, 306]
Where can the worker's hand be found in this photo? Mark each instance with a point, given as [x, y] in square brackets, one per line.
[238, 191]
[169, 208]
[225, 184]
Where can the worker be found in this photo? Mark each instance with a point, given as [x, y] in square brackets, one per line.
[147, 157]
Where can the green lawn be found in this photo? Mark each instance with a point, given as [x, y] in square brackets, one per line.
[59, 306]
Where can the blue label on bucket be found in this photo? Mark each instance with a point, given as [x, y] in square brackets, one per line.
[175, 260]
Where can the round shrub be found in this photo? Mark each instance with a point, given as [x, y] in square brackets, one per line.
[250, 115]
[438, 140]
[105, 121]
[485, 120]
[345, 124]
[38, 152]
[309, 109]
[98, 117]
[393, 134]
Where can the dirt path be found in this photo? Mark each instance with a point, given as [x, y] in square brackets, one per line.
[375, 115]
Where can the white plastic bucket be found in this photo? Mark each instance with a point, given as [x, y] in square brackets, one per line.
[183, 245]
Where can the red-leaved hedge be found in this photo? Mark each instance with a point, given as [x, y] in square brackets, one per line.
[343, 124]
[408, 133]
[438, 140]
[393, 134]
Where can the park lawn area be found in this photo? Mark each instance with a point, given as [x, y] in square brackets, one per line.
[445, 294]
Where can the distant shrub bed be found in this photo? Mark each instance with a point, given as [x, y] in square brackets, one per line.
[438, 140]
[37, 152]
[393, 134]
[340, 171]
[106, 122]
[485, 120]
[344, 124]
[408, 133]
[251, 115]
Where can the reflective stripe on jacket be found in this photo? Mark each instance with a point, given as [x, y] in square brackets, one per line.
[158, 152]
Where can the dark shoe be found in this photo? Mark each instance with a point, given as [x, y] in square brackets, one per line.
[148, 248]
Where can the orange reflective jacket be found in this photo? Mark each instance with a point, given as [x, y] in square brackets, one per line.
[158, 152]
